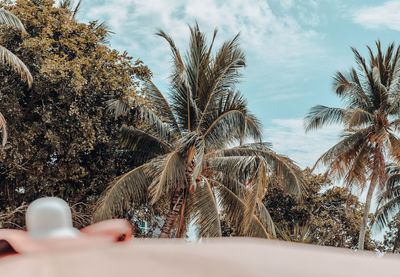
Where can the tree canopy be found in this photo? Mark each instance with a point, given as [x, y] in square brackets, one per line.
[62, 141]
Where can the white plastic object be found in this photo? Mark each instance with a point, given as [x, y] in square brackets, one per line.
[50, 217]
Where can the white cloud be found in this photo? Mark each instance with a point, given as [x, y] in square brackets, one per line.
[383, 16]
[288, 138]
[275, 38]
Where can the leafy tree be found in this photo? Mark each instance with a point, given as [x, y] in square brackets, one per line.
[371, 115]
[326, 215]
[7, 57]
[186, 142]
[62, 141]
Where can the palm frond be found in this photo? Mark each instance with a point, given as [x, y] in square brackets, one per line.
[3, 128]
[253, 128]
[229, 121]
[254, 191]
[364, 69]
[76, 9]
[163, 108]
[122, 106]
[224, 74]
[167, 172]
[104, 35]
[299, 233]
[9, 19]
[179, 68]
[266, 219]
[389, 205]
[8, 58]
[234, 209]
[222, 130]
[65, 4]
[358, 118]
[360, 166]
[204, 210]
[133, 138]
[321, 115]
[118, 107]
[69, 5]
[183, 100]
[340, 156]
[196, 63]
[394, 146]
[289, 174]
[132, 186]
[264, 145]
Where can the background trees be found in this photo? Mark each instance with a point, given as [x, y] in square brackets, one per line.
[371, 116]
[62, 140]
[330, 214]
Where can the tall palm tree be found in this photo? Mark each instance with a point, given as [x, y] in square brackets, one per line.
[8, 58]
[370, 118]
[185, 143]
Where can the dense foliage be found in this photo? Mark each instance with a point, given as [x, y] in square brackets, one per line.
[62, 141]
[331, 215]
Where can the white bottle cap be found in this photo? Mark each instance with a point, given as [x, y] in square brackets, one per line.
[50, 217]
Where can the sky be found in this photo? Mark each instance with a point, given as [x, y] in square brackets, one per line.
[293, 49]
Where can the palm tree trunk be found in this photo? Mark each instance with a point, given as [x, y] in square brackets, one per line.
[176, 205]
[178, 200]
[181, 218]
[361, 238]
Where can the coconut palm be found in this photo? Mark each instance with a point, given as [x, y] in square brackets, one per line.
[185, 142]
[8, 58]
[370, 118]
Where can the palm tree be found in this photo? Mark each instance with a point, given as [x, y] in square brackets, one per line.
[8, 58]
[370, 117]
[184, 142]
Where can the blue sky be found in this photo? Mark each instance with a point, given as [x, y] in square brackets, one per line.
[293, 49]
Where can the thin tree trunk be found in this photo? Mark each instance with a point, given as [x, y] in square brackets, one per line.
[176, 205]
[361, 238]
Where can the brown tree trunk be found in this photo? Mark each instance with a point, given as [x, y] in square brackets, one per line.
[361, 238]
[176, 205]
[181, 218]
